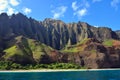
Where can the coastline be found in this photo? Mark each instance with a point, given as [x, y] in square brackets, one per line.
[56, 70]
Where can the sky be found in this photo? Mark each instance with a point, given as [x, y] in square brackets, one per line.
[104, 13]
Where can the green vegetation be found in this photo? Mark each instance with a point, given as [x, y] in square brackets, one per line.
[83, 41]
[93, 51]
[55, 66]
[12, 51]
[75, 48]
[38, 49]
[7, 65]
[108, 43]
[27, 48]
[72, 49]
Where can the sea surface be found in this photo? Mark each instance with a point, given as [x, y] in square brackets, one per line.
[62, 75]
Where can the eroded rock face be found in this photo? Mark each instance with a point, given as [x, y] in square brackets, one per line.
[57, 34]
[54, 33]
[118, 33]
[95, 60]
[96, 55]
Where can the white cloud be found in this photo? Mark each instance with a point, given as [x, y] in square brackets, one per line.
[80, 9]
[96, 26]
[27, 10]
[10, 11]
[80, 13]
[56, 15]
[11, 7]
[96, 1]
[59, 12]
[3, 5]
[14, 2]
[115, 3]
[74, 5]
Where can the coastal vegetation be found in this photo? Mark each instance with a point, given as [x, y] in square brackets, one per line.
[7, 65]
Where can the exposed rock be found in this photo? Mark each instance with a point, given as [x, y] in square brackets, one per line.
[26, 41]
[27, 51]
[118, 33]
[54, 33]
[95, 54]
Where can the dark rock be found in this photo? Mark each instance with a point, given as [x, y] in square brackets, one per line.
[54, 33]
[57, 34]
[118, 33]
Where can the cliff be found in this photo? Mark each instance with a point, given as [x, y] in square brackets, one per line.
[25, 40]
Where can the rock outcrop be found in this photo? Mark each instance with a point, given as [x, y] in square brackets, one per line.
[118, 33]
[94, 54]
[27, 41]
[54, 33]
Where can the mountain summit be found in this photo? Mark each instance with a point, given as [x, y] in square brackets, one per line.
[54, 33]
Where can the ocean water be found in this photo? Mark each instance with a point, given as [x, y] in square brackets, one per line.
[65, 75]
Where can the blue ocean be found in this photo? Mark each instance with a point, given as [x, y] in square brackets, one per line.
[65, 75]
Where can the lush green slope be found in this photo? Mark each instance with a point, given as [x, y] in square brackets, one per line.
[26, 50]
[77, 47]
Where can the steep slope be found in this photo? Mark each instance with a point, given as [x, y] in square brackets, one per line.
[27, 51]
[89, 53]
[68, 34]
[54, 33]
[118, 33]
[94, 54]
[27, 41]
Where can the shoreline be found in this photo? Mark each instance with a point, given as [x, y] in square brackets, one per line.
[56, 70]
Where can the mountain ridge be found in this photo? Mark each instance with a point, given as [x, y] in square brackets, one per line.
[54, 33]
[27, 41]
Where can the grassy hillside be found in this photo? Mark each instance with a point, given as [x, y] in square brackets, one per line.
[77, 47]
[108, 42]
[111, 42]
[26, 49]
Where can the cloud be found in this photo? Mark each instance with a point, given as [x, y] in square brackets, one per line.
[80, 9]
[115, 3]
[96, 26]
[59, 12]
[14, 2]
[81, 12]
[96, 1]
[74, 6]
[11, 7]
[3, 5]
[11, 11]
[27, 10]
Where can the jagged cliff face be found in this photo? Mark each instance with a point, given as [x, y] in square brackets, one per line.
[118, 33]
[54, 33]
[92, 53]
[25, 40]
